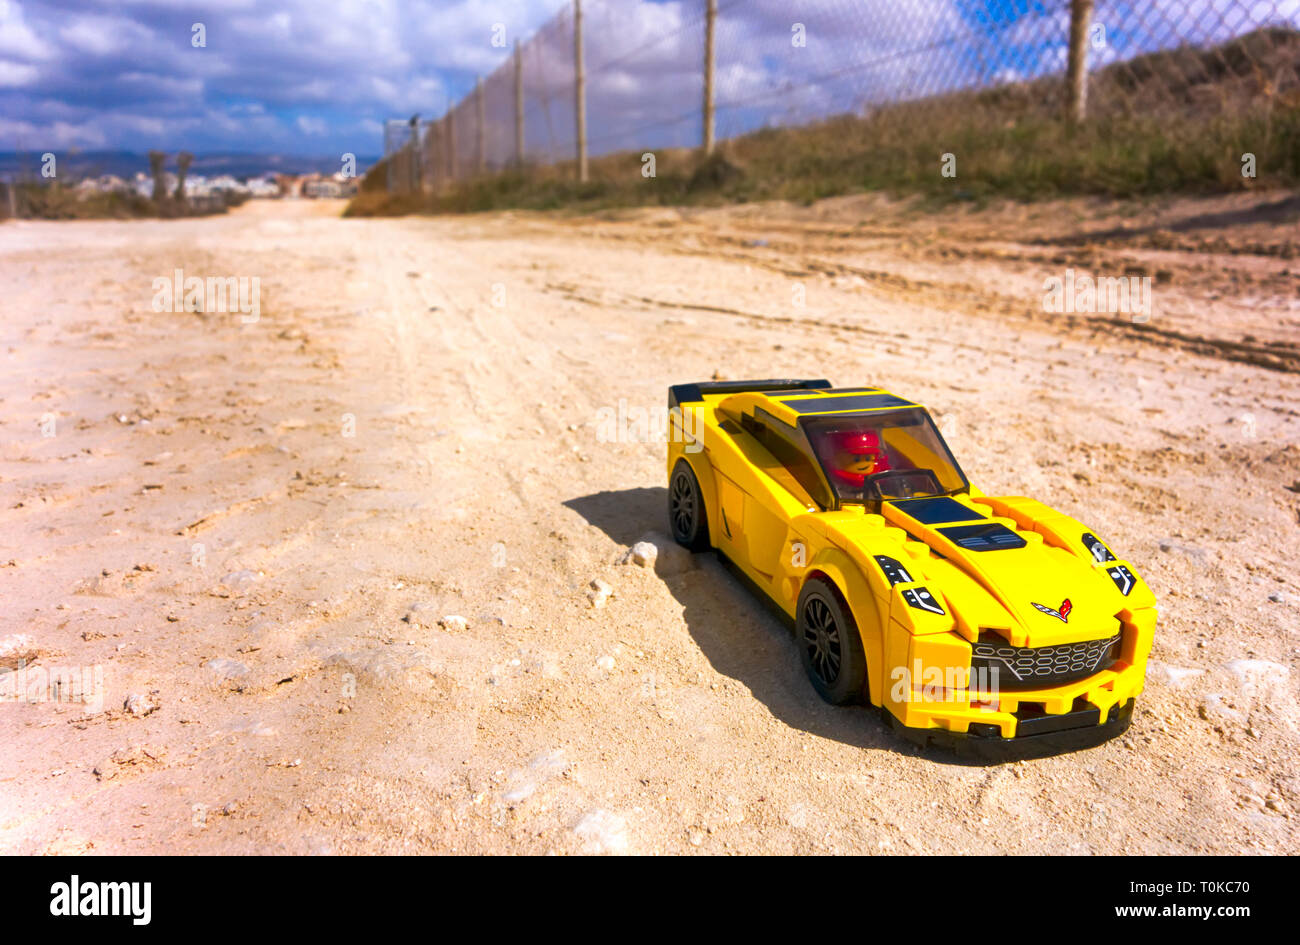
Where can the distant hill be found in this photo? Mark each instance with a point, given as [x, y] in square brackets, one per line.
[78, 164]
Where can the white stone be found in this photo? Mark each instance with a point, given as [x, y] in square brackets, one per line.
[644, 553]
[600, 593]
[671, 558]
[139, 705]
[602, 832]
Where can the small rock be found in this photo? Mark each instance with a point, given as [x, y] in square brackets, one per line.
[420, 615]
[642, 553]
[241, 580]
[1191, 551]
[605, 663]
[453, 622]
[139, 705]
[17, 649]
[1277, 597]
[227, 668]
[600, 593]
[126, 757]
[602, 832]
[1217, 705]
[670, 558]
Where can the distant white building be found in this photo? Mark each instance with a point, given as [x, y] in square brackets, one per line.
[262, 187]
[104, 184]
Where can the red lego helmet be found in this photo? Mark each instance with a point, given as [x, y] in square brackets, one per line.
[853, 450]
[857, 442]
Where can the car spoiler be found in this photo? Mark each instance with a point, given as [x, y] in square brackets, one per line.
[680, 394]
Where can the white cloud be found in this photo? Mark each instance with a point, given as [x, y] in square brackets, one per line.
[16, 37]
[310, 126]
[14, 74]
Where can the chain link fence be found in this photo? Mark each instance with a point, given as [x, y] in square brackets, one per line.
[777, 64]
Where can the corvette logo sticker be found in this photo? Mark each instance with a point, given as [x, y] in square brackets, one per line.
[1062, 615]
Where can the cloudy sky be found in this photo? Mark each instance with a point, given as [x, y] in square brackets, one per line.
[318, 77]
[297, 76]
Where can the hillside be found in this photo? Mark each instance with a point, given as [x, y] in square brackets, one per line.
[1168, 122]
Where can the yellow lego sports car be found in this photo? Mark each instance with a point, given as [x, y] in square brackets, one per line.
[986, 623]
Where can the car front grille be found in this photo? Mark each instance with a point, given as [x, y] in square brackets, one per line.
[1024, 667]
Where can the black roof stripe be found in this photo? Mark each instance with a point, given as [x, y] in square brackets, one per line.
[939, 510]
[850, 402]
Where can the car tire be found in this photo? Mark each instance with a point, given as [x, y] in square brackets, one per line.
[687, 519]
[830, 646]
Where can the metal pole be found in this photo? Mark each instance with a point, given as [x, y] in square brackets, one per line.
[479, 151]
[710, 23]
[389, 156]
[1077, 73]
[580, 91]
[436, 169]
[413, 144]
[451, 144]
[519, 107]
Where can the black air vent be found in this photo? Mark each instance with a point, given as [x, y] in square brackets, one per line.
[990, 537]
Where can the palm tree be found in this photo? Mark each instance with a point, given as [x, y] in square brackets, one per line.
[156, 159]
[182, 165]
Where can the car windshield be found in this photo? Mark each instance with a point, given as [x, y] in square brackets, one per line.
[884, 454]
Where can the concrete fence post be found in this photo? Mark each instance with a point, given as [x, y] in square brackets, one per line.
[413, 146]
[579, 91]
[1076, 81]
[519, 107]
[480, 120]
[451, 144]
[710, 25]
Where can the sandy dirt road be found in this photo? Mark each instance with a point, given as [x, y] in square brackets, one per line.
[253, 528]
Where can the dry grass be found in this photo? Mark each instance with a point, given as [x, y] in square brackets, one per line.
[51, 202]
[1176, 121]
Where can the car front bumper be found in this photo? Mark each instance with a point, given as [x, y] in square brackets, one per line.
[1038, 734]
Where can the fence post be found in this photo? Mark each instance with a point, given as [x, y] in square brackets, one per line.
[710, 23]
[1077, 73]
[519, 107]
[580, 91]
[413, 145]
[451, 144]
[480, 156]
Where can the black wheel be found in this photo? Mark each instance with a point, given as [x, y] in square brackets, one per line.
[686, 515]
[829, 644]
